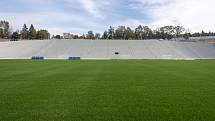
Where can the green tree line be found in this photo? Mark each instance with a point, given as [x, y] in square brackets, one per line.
[32, 33]
[141, 33]
[121, 32]
[144, 32]
[25, 33]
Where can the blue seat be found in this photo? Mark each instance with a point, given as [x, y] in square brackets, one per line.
[74, 58]
[37, 58]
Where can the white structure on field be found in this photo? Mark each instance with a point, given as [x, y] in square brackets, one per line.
[106, 49]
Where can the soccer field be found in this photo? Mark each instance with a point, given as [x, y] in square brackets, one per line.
[116, 90]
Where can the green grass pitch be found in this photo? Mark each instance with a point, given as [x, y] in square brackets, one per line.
[116, 90]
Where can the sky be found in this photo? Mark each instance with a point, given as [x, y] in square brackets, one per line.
[80, 16]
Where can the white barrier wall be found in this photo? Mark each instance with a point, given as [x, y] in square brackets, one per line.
[105, 49]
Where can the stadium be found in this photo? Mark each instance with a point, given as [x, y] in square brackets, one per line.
[107, 49]
[125, 80]
[107, 60]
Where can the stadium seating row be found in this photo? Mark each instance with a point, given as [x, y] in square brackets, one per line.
[43, 58]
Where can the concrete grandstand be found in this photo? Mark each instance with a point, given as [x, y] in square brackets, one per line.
[106, 49]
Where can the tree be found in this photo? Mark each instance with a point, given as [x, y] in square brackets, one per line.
[57, 37]
[187, 36]
[32, 32]
[4, 29]
[197, 34]
[42, 34]
[105, 35]
[167, 32]
[139, 32]
[24, 32]
[129, 34]
[83, 36]
[204, 33]
[76, 37]
[97, 36]
[178, 31]
[15, 36]
[120, 33]
[157, 34]
[90, 35]
[2, 35]
[147, 33]
[111, 33]
[143, 32]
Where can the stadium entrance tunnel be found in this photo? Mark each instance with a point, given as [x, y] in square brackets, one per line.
[116, 53]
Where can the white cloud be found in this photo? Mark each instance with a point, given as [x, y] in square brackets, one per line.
[79, 16]
[149, 4]
[90, 6]
[55, 22]
[48, 15]
[196, 15]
